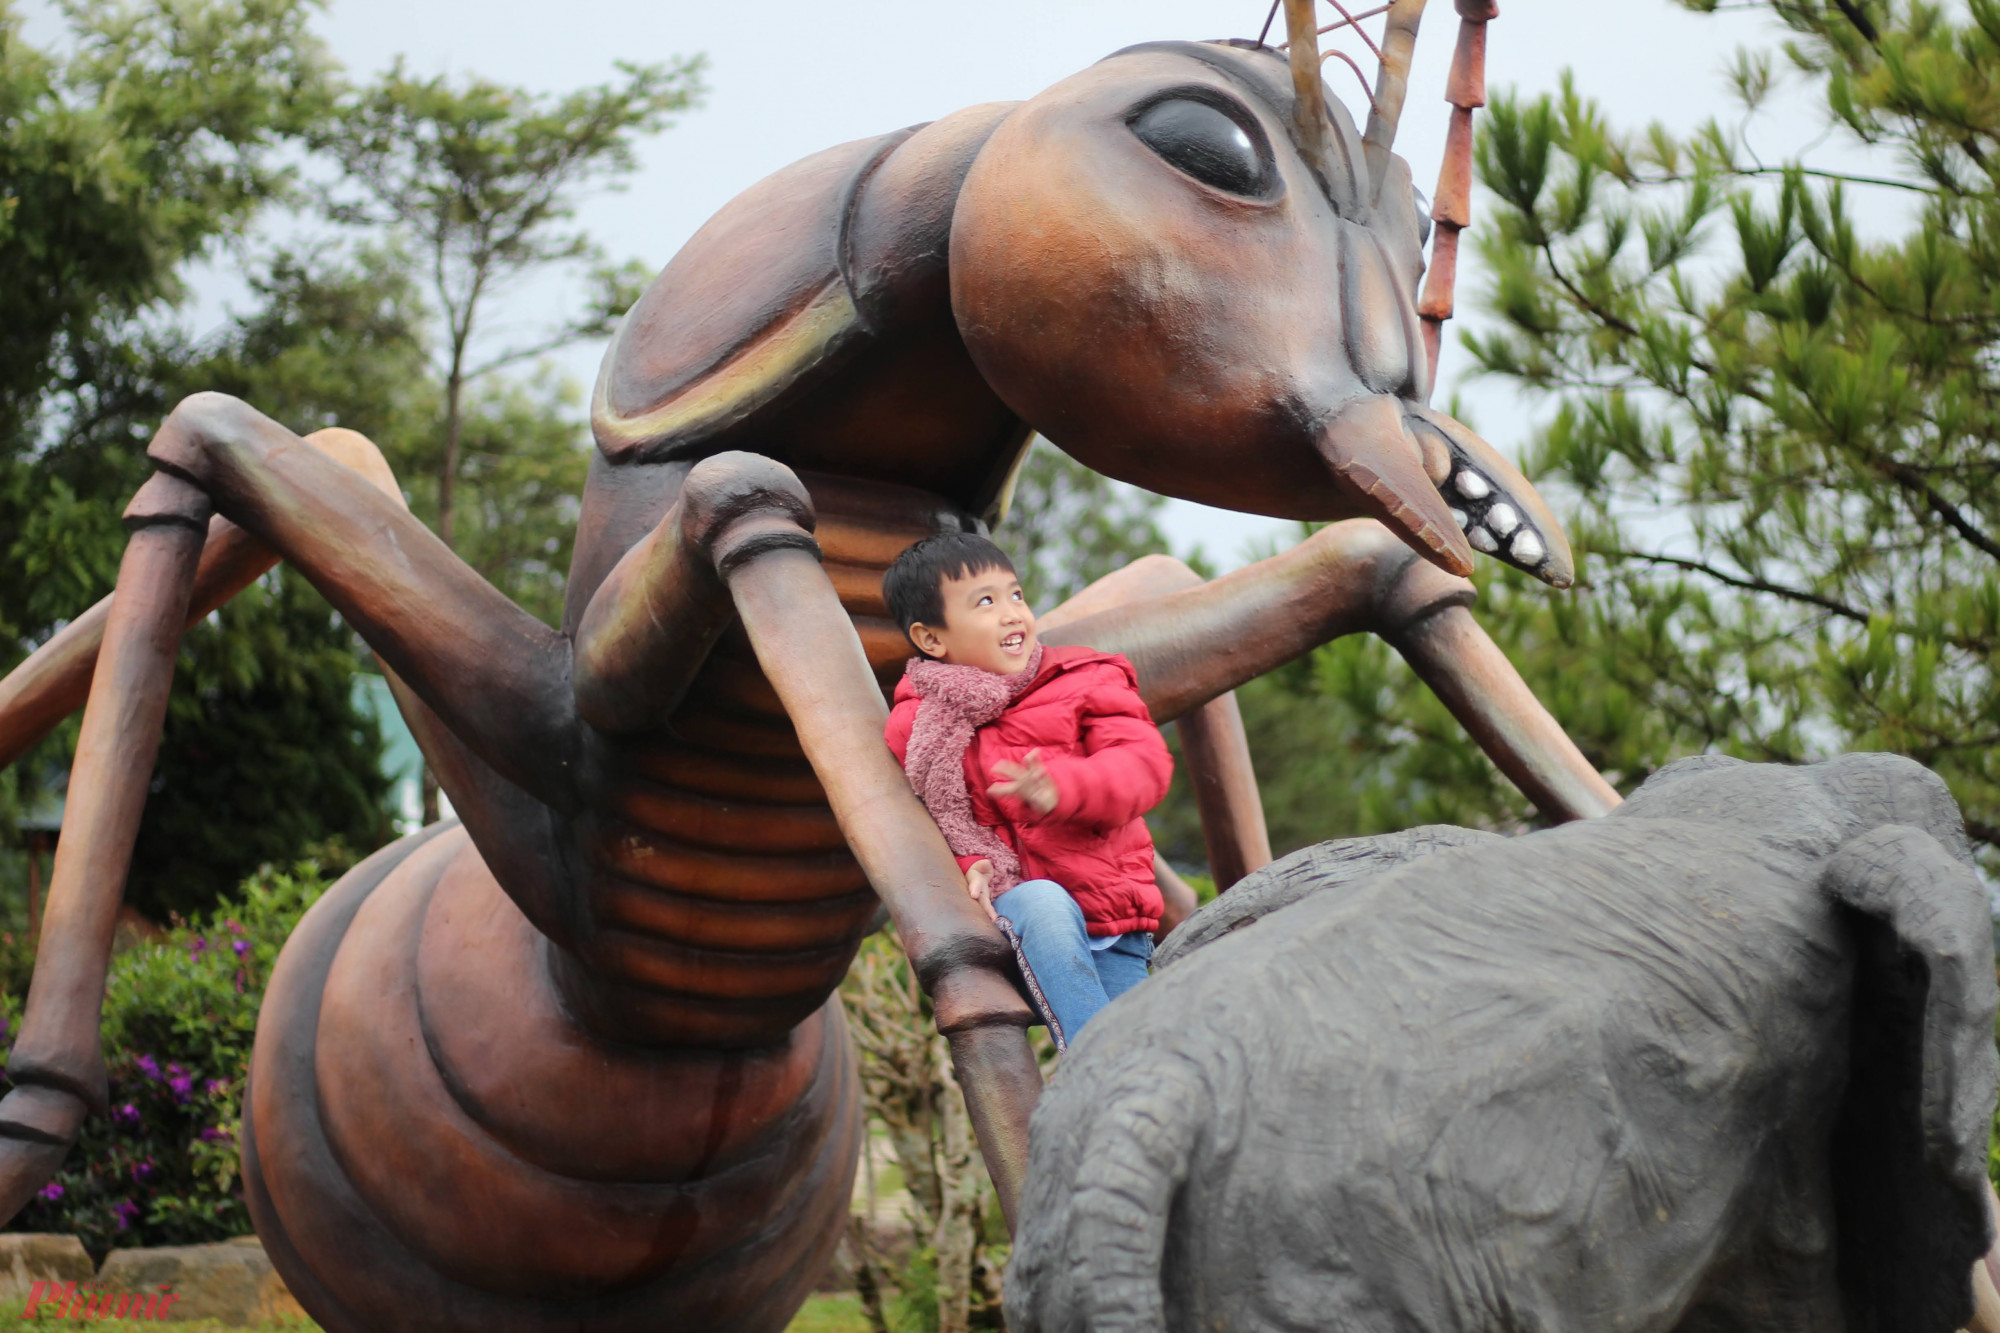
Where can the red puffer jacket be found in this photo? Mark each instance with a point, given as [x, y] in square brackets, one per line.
[1110, 766]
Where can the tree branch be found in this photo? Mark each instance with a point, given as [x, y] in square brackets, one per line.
[1860, 20]
[1682, 178]
[1909, 479]
[1702, 567]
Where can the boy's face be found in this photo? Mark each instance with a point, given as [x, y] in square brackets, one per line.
[987, 624]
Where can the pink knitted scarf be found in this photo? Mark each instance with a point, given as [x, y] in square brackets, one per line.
[955, 702]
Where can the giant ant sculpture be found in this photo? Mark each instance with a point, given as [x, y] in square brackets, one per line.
[576, 1061]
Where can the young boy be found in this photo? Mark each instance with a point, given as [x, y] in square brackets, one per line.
[1037, 763]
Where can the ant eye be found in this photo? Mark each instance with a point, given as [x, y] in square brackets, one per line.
[1206, 143]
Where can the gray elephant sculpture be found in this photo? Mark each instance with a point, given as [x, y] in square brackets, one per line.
[1722, 1060]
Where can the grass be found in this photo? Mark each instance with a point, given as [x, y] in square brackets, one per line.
[822, 1314]
[830, 1314]
[283, 1326]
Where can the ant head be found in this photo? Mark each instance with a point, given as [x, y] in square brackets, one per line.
[1154, 265]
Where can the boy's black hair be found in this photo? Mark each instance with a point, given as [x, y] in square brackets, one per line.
[913, 585]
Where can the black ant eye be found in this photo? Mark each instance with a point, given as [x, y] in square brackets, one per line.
[1205, 143]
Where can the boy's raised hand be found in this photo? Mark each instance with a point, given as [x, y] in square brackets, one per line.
[1027, 781]
[979, 883]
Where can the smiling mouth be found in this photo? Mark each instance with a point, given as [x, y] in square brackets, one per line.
[1013, 643]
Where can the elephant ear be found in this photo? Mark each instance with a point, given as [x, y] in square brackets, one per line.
[1909, 1148]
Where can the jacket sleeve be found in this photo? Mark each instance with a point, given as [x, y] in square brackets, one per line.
[1124, 769]
[896, 731]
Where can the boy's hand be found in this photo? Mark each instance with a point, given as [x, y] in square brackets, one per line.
[979, 883]
[1027, 781]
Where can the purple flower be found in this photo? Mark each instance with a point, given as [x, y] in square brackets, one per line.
[234, 929]
[144, 1171]
[183, 1087]
[148, 1066]
[50, 1191]
[216, 1134]
[242, 948]
[127, 1114]
[127, 1213]
[197, 946]
[216, 1087]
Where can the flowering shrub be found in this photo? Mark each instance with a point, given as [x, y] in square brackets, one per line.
[179, 1017]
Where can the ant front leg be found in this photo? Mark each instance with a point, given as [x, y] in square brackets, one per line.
[1190, 646]
[495, 678]
[484, 685]
[55, 680]
[57, 1065]
[739, 543]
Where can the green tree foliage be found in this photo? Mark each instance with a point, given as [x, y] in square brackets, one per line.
[120, 160]
[1780, 438]
[153, 141]
[481, 183]
[1773, 439]
[525, 457]
[264, 750]
[158, 139]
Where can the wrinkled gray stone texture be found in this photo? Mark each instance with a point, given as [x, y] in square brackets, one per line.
[1721, 1060]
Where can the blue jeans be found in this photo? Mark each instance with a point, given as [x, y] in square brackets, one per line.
[1076, 979]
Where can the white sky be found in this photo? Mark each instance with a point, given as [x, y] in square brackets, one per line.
[790, 78]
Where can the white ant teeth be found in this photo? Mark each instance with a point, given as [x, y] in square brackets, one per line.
[1527, 547]
[1502, 519]
[1482, 541]
[1458, 517]
[1472, 486]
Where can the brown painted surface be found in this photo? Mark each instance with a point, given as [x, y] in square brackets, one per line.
[577, 1063]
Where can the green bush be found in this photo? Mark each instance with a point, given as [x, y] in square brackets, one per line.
[179, 1018]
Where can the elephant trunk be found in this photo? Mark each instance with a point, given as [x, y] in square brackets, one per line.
[1106, 1263]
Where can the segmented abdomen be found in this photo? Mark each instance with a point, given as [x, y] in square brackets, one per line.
[723, 903]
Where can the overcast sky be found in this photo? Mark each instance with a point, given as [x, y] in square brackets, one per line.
[790, 78]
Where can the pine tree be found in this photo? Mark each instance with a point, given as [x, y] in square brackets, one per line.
[1780, 437]
[1775, 438]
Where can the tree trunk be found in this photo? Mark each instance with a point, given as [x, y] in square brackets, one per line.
[957, 1234]
[868, 1283]
[454, 425]
[454, 391]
